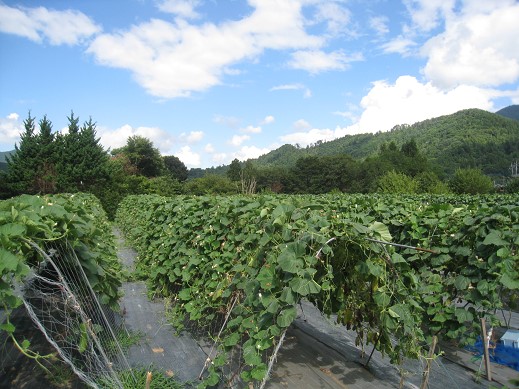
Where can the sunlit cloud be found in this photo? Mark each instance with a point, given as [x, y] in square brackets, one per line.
[40, 24]
[306, 91]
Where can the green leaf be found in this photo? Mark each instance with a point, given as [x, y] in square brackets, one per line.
[287, 295]
[8, 261]
[266, 278]
[258, 373]
[374, 268]
[286, 317]
[185, 294]
[503, 252]
[462, 315]
[461, 282]
[7, 327]
[381, 299]
[274, 330]
[509, 282]
[304, 286]
[235, 322]
[212, 379]
[289, 263]
[381, 230]
[251, 356]
[494, 238]
[12, 229]
[232, 339]
[402, 310]
[83, 341]
[397, 258]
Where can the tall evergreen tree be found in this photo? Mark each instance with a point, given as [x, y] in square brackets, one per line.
[23, 163]
[93, 167]
[234, 171]
[69, 158]
[46, 172]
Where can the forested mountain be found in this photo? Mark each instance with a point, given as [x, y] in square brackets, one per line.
[3, 161]
[512, 112]
[470, 138]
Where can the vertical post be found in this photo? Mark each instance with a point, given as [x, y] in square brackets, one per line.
[148, 380]
[486, 339]
[427, 369]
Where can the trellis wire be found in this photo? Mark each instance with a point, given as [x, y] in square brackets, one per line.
[62, 303]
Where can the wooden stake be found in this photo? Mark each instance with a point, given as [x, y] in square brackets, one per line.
[485, 349]
[148, 380]
[427, 369]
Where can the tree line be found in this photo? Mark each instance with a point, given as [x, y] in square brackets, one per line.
[74, 161]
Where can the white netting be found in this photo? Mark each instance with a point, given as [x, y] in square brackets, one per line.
[62, 303]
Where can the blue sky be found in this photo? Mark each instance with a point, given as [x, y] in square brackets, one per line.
[210, 81]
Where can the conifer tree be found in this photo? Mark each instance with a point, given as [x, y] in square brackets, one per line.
[22, 165]
[46, 151]
[94, 158]
[69, 156]
[82, 161]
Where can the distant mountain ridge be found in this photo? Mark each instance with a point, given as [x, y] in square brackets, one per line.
[512, 112]
[467, 138]
[3, 161]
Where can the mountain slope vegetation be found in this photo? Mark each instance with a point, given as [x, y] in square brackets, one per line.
[471, 138]
[512, 112]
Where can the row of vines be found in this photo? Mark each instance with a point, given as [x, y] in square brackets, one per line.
[251, 259]
[77, 219]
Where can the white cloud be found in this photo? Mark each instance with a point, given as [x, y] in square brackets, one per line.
[477, 48]
[316, 61]
[192, 137]
[399, 45]
[408, 101]
[175, 59]
[307, 92]
[237, 140]
[228, 121]
[428, 14]
[10, 129]
[305, 138]
[209, 148]
[189, 157]
[249, 152]
[118, 137]
[181, 8]
[379, 24]
[301, 125]
[268, 120]
[220, 158]
[251, 130]
[68, 27]
[337, 18]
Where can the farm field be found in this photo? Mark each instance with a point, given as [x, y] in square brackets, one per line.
[393, 269]
[241, 274]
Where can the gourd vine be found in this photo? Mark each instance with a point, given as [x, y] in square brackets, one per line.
[268, 252]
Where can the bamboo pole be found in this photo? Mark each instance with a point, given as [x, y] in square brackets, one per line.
[148, 380]
[486, 339]
[425, 379]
